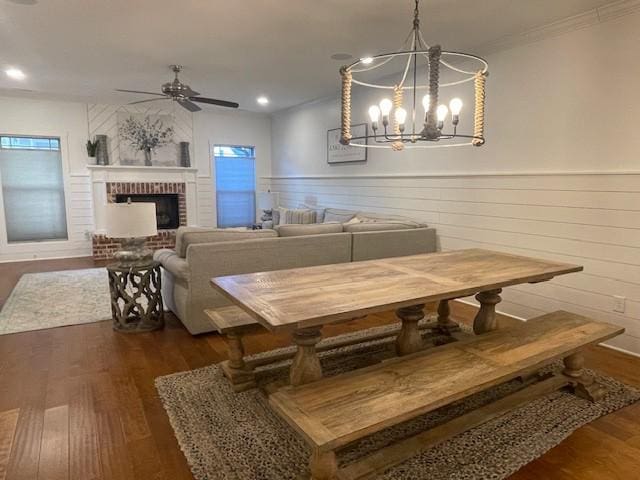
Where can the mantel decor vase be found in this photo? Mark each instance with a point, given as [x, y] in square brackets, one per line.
[102, 150]
[147, 157]
[185, 158]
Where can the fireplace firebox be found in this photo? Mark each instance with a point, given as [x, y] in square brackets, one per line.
[167, 207]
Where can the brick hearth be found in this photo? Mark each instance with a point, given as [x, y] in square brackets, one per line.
[104, 247]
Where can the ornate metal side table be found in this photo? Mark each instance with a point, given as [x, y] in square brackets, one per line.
[136, 300]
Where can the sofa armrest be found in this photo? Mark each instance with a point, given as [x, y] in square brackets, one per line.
[171, 262]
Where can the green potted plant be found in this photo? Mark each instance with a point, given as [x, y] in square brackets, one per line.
[92, 148]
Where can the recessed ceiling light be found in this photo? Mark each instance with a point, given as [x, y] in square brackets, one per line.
[341, 56]
[366, 60]
[15, 73]
[262, 100]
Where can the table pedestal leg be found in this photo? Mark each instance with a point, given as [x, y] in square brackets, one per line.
[409, 339]
[445, 324]
[584, 386]
[485, 320]
[306, 365]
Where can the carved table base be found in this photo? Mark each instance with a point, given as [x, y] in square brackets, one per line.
[306, 364]
[445, 324]
[485, 319]
[409, 339]
[136, 300]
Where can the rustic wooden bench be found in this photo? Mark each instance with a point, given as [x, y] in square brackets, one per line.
[335, 411]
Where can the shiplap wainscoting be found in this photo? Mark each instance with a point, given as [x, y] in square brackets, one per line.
[591, 219]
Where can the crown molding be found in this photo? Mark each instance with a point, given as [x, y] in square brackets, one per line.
[605, 13]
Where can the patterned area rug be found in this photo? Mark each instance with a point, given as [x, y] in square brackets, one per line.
[226, 435]
[56, 299]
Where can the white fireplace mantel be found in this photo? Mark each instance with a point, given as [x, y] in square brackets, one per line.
[103, 174]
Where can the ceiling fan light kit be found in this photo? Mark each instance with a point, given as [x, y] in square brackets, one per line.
[181, 93]
[418, 122]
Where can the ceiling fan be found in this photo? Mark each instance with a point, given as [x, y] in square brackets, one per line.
[181, 93]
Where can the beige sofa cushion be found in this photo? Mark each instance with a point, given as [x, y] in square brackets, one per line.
[288, 216]
[396, 243]
[186, 236]
[374, 226]
[337, 215]
[312, 229]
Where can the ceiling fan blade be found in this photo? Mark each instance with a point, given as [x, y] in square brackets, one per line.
[187, 92]
[192, 107]
[213, 101]
[148, 100]
[138, 91]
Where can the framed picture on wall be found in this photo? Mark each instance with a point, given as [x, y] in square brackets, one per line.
[338, 153]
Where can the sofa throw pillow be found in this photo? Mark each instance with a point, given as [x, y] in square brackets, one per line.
[319, 211]
[296, 216]
[336, 215]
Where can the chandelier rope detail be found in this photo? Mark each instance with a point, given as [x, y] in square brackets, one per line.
[423, 126]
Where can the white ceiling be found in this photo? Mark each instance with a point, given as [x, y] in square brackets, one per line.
[237, 49]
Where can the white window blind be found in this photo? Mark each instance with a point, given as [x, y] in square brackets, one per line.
[32, 189]
[235, 185]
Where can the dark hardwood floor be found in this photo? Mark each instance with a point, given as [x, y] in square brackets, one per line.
[79, 402]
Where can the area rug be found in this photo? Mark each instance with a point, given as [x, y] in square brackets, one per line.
[56, 299]
[236, 436]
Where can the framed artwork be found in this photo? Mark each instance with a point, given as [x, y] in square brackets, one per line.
[338, 153]
[164, 155]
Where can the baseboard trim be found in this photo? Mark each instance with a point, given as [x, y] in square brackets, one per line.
[618, 349]
[16, 260]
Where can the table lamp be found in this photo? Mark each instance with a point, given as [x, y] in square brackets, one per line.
[267, 201]
[131, 223]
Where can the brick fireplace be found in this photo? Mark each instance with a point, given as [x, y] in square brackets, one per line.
[104, 247]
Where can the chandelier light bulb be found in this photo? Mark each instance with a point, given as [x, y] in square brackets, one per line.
[367, 60]
[442, 113]
[456, 106]
[374, 115]
[385, 107]
[426, 102]
[400, 115]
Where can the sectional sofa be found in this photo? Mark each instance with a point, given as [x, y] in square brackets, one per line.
[201, 254]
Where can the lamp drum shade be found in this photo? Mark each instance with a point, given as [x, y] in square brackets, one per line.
[268, 200]
[131, 220]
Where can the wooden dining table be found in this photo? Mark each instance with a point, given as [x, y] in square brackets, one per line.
[303, 300]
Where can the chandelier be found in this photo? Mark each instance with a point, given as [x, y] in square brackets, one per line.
[413, 116]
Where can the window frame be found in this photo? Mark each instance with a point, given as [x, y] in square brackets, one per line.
[41, 248]
[214, 176]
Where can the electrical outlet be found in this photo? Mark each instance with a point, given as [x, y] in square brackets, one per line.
[619, 304]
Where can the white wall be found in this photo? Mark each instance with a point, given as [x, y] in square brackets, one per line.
[559, 176]
[69, 121]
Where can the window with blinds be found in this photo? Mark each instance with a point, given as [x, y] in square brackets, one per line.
[32, 188]
[235, 185]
